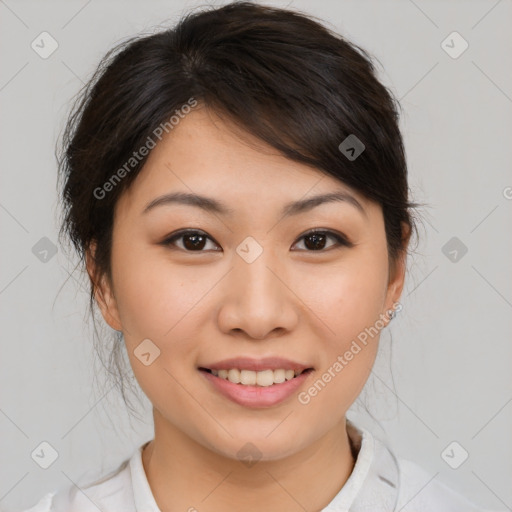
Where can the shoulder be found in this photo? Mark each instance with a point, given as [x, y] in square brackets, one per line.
[111, 492]
[419, 490]
[387, 482]
[43, 505]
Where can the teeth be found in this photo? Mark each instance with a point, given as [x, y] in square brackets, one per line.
[247, 377]
[251, 378]
[234, 375]
[279, 376]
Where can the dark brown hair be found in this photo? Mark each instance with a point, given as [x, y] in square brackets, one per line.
[278, 74]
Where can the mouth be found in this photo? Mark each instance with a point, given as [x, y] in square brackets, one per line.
[262, 378]
[257, 382]
[258, 388]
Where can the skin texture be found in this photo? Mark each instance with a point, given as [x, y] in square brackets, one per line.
[201, 307]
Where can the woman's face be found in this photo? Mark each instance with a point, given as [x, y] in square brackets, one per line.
[249, 283]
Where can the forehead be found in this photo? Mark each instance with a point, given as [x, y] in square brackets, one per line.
[207, 155]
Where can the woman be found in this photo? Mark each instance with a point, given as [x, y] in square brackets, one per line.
[237, 189]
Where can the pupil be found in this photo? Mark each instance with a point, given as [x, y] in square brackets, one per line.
[198, 240]
[316, 238]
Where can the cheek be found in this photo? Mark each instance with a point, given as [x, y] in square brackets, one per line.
[157, 301]
[349, 301]
[153, 296]
[349, 295]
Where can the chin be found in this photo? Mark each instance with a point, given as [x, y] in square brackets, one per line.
[257, 446]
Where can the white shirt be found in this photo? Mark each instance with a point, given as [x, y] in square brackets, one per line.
[379, 482]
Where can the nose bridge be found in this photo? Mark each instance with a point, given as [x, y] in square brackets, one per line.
[255, 268]
[257, 300]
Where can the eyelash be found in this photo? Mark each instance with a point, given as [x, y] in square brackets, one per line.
[340, 239]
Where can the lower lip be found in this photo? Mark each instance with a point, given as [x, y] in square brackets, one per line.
[257, 396]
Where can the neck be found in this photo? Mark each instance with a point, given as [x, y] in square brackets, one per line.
[185, 475]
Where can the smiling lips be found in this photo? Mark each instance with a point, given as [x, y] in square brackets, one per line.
[256, 382]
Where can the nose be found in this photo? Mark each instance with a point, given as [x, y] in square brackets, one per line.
[256, 300]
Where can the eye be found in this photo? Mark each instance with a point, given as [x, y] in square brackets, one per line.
[315, 240]
[193, 240]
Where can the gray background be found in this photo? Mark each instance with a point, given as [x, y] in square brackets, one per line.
[447, 376]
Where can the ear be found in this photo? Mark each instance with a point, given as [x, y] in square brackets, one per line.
[397, 272]
[103, 290]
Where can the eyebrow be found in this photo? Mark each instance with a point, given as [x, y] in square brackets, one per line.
[212, 205]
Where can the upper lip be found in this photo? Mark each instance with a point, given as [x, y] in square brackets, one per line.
[248, 363]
